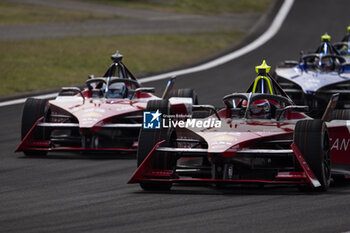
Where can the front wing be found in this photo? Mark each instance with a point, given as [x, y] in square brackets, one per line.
[145, 172]
[29, 142]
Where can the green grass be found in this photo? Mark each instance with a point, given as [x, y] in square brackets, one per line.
[15, 13]
[194, 6]
[41, 64]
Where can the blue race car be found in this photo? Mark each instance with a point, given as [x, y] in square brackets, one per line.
[314, 79]
[343, 47]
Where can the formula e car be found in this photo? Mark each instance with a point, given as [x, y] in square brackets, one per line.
[343, 47]
[260, 137]
[106, 116]
[316, 77]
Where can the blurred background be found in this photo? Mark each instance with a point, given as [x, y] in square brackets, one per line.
[47, 44]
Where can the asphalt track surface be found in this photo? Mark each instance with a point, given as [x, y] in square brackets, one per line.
[66, 193]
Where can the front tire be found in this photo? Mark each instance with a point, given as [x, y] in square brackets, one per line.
[33, 109]
[148, 138]
[311, 137]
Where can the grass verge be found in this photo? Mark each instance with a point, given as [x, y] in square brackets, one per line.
[15, 13]
[194, 6]
[41, 64]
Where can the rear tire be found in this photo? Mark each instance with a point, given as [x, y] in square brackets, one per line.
[311, 137]
[190, 93]
[148, 138]
[185, 92]
[33, 109]
[340, 114]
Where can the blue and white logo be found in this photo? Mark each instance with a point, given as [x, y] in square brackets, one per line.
[151, 120]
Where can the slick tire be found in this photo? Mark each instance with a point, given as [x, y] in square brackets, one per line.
[148, 138]
[33, 109]
[311, 137]
[190, 93]
[340, 114]
[185, 92]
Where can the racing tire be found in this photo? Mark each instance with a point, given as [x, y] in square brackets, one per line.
[311, 137]
[190, 93]
[33, 109]
[185, 92]
[340, 114]
[148, 138]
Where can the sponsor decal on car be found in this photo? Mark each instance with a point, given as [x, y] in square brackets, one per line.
[340, 144]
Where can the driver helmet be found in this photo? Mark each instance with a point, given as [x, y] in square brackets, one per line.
[327, 63]
[117, 90]
[260, 109]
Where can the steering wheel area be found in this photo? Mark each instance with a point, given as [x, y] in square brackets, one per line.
[256, 105]
[319, 62]
[113, 88]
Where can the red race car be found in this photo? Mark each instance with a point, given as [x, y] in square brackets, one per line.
[106, 116]
[260, 137]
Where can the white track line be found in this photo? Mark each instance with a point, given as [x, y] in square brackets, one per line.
[22, 100]
[271, 32]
